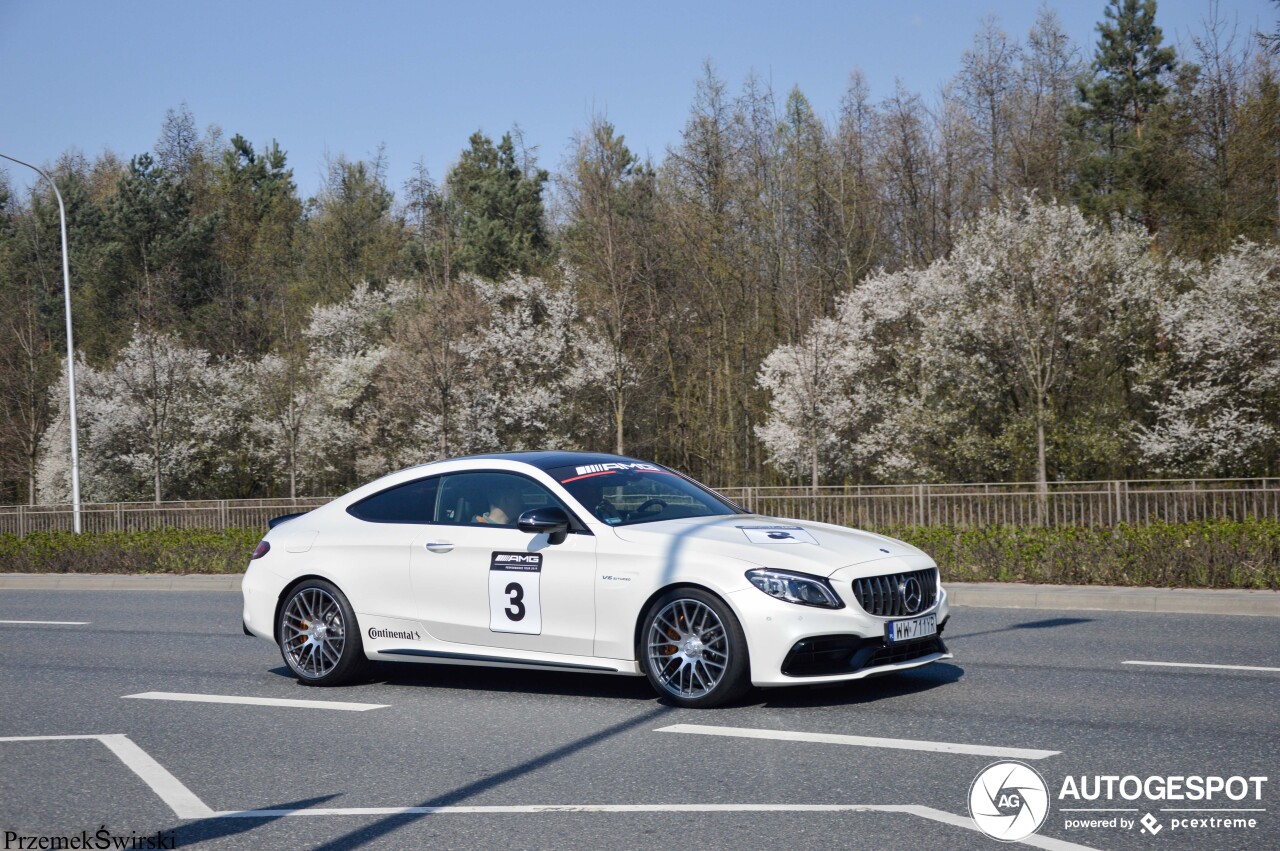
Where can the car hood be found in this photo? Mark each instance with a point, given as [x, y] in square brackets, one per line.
[817, 548]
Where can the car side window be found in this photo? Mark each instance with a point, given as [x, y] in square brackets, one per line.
[489, 499]
[412, 502]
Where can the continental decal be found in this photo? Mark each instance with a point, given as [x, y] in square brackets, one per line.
[374, 632]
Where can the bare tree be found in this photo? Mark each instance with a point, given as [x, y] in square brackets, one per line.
[179, 142]
[610, 199]
[1038, 107]
[988, 79]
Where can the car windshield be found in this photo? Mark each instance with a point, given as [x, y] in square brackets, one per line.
[625, 493]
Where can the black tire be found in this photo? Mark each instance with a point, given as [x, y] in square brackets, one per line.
[693, 650]
[318, 635]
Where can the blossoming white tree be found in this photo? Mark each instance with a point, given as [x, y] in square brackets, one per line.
[813, 402]
[1216, 394]
[306, 405]
[485, 366]
[971, 356]
[529, 363]
[150, 417]
[1034, 283]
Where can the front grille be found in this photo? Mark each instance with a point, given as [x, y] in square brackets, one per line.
[888, 596]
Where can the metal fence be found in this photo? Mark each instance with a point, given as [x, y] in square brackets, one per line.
[869, 506]
[135, 516]
[1020, 503]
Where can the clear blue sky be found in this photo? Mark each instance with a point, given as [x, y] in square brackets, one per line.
[335, 78]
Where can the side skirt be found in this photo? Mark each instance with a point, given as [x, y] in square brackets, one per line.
[447, 658]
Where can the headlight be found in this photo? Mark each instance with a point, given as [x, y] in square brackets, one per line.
[798, 588]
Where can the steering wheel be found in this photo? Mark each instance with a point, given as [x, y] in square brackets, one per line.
[648, 503]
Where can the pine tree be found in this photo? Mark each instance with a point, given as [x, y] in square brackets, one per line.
[1118, 103]
[502, 226]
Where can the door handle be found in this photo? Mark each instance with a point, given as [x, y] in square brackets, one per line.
[439, 546]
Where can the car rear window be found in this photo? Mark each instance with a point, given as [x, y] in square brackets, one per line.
[412, 502]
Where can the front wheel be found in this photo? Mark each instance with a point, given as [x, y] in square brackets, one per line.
[318, 635]
[694, 651]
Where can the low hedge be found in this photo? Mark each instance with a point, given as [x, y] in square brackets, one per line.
[1208, 554]
[155, 551]
[1202, 554]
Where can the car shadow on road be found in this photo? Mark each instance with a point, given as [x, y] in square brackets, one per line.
[637, 689]
[1048, 623]
[380, 829]
[864, 691]
[506, 680]
[219, 827]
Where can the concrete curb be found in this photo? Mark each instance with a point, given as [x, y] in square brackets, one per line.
[1197, 601]
[996, 595]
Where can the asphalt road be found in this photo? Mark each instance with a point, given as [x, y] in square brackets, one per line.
[496, 740]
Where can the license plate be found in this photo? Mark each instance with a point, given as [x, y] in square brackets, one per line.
[924, 627]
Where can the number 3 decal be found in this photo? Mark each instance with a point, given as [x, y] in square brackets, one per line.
[516, 610]
[515, 604]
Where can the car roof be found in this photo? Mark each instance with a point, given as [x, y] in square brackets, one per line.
[551, 459]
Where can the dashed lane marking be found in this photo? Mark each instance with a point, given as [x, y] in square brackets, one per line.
[257, 701]
[859, 741]
[46, 623]
[1200, 665]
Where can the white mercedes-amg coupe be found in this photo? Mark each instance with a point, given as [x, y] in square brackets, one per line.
[577, 561]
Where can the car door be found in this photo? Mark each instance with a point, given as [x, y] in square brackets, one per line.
[374, 553]
[479, 580]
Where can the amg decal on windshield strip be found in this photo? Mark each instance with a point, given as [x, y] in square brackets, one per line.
[601, 468]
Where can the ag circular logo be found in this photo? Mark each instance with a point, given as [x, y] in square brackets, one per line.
[1008, 801]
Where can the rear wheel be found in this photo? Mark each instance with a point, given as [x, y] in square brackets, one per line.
[318, 635]
[693, 649]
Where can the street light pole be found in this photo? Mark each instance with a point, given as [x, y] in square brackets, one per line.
[71, 351]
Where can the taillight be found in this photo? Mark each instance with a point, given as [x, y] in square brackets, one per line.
[262, 549]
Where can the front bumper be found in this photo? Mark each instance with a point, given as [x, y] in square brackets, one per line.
[774, 628]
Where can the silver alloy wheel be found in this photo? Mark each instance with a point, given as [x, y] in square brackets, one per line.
[312, 632]
[688, 648]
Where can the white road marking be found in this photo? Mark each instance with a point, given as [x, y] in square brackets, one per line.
[258, 701]
[181, 800]
[48, 623]
[46, 738]
[1199, 665]
[186, 805]
[859, 741]
[911, 809]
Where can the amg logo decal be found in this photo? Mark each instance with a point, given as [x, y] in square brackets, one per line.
[374, 632]
[527, 562]
[602, 468]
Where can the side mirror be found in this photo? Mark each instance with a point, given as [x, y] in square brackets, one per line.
[550, 519]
